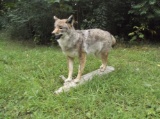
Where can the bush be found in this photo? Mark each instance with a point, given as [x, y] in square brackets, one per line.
[33, 19]
[131, 20]
[146, 16]
[108, 15]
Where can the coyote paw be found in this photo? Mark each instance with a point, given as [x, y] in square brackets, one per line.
[102, 68]
[76, 80]
[68, 80]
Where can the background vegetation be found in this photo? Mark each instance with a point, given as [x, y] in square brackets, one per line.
[130, 20]
[29, 73]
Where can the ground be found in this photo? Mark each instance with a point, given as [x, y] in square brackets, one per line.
[29, 75]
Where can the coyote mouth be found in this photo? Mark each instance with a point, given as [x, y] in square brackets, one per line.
[58, 36]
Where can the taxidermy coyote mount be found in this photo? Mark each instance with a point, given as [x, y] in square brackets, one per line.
[79, 43]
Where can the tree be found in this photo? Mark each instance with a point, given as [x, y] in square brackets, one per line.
[146, 16]
[33, 19]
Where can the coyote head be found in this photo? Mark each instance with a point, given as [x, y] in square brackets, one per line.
[63, 26]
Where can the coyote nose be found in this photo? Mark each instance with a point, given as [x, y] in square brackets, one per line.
[53, 33]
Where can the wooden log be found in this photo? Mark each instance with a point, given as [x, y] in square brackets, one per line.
[87, 77]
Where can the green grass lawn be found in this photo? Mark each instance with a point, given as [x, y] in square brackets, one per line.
[29, 75]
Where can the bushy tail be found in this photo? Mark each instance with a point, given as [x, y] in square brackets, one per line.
[113, 41]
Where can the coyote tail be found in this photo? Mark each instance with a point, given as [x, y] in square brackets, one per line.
[113, 41]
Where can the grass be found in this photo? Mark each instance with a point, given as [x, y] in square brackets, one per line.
[30, 74]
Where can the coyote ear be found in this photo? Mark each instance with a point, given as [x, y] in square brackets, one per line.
[55, 18]
[70, 19]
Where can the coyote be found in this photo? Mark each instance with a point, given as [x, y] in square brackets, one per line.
[81, 42]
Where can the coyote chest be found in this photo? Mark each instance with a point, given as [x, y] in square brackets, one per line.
[68, 47]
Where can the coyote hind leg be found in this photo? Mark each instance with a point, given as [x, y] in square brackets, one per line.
[104, 58]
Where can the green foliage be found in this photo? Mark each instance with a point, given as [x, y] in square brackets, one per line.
[98, 18]
[138, 33]
[107, 15]
[4, 7]
[32, 19]
[2, 22]
[149, 9]
[146, 14]
[28, 21]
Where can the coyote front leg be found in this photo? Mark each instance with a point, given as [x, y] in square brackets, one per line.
[70, 68]
[82, 61]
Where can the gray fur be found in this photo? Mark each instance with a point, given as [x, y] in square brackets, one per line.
[89, 41]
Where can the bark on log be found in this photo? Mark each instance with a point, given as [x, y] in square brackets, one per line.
[87, 77]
